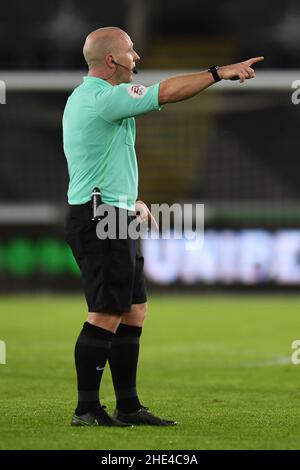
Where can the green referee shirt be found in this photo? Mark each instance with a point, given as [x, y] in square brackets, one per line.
[99, 138]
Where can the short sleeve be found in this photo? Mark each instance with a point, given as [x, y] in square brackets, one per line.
[126, 100]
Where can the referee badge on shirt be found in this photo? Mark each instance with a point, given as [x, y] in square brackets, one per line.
[137, 91]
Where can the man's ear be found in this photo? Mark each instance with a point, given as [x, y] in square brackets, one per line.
[109, 60]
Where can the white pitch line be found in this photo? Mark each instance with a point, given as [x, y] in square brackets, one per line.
[275, 361]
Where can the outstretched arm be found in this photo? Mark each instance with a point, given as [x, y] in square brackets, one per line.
[182, 87]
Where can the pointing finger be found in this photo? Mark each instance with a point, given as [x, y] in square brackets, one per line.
[254, 60]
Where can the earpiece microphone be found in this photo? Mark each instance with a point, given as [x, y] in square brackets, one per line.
[124, 66]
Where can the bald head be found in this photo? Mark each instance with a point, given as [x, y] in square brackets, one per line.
[101, 42]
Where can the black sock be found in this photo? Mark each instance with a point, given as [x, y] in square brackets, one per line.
[91, 353]
[123, 360]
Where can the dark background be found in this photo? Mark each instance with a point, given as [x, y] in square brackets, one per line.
[235, 150]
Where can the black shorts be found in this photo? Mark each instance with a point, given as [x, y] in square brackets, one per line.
[111, 269]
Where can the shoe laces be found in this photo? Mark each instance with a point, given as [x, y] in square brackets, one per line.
[144, 407]
[102, 414]
[100, 408]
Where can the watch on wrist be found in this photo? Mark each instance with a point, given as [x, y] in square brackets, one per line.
[213, 69]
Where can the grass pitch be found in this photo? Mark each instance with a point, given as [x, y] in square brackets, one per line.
[220, 365]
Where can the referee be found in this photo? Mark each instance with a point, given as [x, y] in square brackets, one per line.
[99, 139]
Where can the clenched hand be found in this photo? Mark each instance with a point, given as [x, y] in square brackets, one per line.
[144, 215]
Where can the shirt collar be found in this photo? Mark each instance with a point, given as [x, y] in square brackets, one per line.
[97, 81]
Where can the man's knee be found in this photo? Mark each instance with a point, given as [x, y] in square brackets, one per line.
[140, 310]
[104, 320]
[136, 316]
